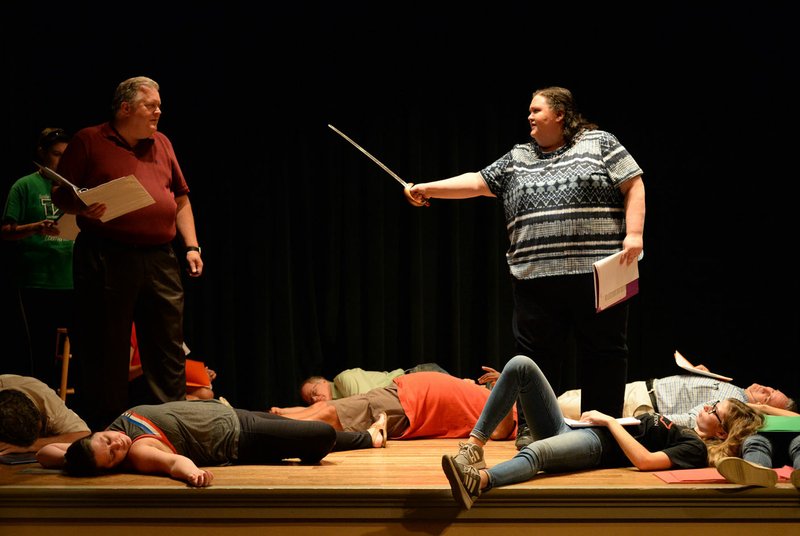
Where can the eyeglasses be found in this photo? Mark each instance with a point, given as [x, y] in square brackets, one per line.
[713, 411]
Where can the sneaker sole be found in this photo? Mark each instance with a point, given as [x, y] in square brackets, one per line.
[740, 471]
[460, 493]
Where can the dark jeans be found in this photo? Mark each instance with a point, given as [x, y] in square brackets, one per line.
[115, 285]
[773, 449]
[548, 311]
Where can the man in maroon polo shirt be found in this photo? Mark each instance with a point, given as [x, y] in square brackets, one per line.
[125, 269]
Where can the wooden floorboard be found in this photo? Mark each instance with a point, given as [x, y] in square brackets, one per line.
[397, 490]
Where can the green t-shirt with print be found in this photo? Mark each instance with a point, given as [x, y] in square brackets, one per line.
[42, 261]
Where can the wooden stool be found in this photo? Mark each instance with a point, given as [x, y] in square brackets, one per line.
[64, 353]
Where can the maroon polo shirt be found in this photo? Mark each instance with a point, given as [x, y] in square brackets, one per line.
[98, 154]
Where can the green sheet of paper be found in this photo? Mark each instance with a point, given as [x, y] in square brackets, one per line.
[779, 423]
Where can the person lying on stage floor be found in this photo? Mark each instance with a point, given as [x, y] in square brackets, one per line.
[420, 405]
[355, 381]
[177, 438]
[198, 376]
[32, 415]
[654, 444]
[680, 397]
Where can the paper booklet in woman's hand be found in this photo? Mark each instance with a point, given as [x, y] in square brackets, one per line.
[120, 196]
[614, 282]
[624, 421]
[685, 365]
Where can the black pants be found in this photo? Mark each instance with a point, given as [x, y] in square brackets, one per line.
[268, 438]
[115, 285]
[548, 311]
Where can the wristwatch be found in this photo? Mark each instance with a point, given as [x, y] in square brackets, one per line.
[194, 248]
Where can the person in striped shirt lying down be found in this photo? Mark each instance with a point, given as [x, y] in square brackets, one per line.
[680, 398]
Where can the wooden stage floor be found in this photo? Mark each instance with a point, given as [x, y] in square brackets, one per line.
[397, 490]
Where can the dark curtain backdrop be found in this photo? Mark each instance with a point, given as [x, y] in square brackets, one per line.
[314, 260]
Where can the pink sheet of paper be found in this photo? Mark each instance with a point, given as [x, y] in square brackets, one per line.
[707, 475]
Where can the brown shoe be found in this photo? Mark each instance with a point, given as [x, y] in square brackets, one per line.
[741, 471]
[795, 478]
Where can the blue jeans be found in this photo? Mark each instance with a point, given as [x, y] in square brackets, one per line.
[757, 449]
[556, 446]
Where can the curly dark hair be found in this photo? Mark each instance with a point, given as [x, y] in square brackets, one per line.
[79, 458]
[20, 420]
[50, 136]
[561, 100]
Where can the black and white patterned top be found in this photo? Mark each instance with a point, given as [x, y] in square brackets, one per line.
[564, 209]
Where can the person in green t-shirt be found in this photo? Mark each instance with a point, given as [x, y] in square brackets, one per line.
[347, 383]
[43, 261]
[355, 381]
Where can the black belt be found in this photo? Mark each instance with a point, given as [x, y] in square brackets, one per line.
[651, 392]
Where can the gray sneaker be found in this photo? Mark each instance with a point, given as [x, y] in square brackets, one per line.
[470, 454]
[465, 481]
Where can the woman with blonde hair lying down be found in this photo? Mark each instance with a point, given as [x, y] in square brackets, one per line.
[655, 443]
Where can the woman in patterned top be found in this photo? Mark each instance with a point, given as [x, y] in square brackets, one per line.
[571, 196]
